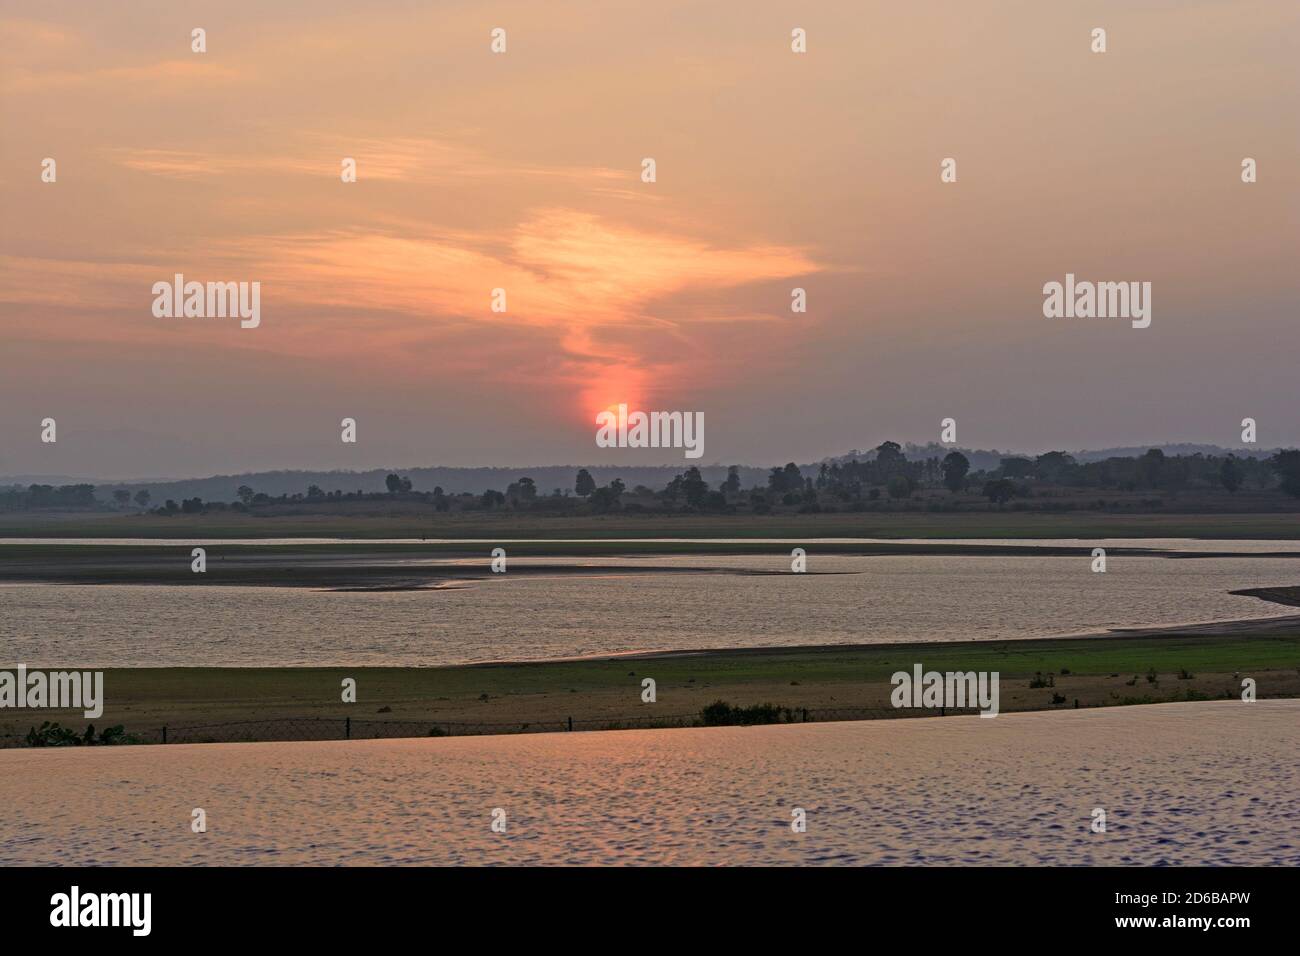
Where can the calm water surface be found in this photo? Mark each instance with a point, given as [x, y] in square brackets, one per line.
[843, 600]
[1187, 784]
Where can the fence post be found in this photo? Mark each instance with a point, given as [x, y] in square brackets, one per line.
[805, 715]
[570, 724]
[941, 712]
[347, 727]
[164, 734]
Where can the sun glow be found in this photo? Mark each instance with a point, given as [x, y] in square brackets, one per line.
[619, 386]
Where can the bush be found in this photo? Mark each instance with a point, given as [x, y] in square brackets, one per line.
[53, 735]
[721, 714]
[999, 491]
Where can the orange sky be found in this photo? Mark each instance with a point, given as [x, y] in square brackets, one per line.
[521, 171]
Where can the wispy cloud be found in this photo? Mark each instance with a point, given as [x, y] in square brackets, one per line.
[572, 277]
[418, 161]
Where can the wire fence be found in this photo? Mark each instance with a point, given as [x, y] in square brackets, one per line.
[353, 728]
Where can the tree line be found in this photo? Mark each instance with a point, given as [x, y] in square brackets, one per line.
[884, 473]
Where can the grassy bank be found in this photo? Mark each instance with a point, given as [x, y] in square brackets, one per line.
[831, 682]
[883, 524]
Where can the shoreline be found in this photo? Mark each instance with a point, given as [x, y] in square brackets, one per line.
[365, 566]
[885, 523]
[1250, 626]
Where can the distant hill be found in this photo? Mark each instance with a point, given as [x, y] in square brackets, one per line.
[55, 480]
[986, 460]
[1180, 449]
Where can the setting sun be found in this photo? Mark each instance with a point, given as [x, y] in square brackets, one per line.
[616, 387]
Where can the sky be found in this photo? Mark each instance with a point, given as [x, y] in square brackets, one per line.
[522, 170]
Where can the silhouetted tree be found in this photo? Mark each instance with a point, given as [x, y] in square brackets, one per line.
[694, 487]
[673, 490]
[955, 467]
[999, 491]
[523, 491]
[606, 499]
[900, 486]
[1151, 468]
[1054, 466]
[1287, 466]
[1016, 467]
[786, 480]
[584, 484]
[1230, 474]
[890, 461]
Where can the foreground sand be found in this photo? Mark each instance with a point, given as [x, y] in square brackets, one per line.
[1187, 784]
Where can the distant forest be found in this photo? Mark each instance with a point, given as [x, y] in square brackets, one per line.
[882, 479]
